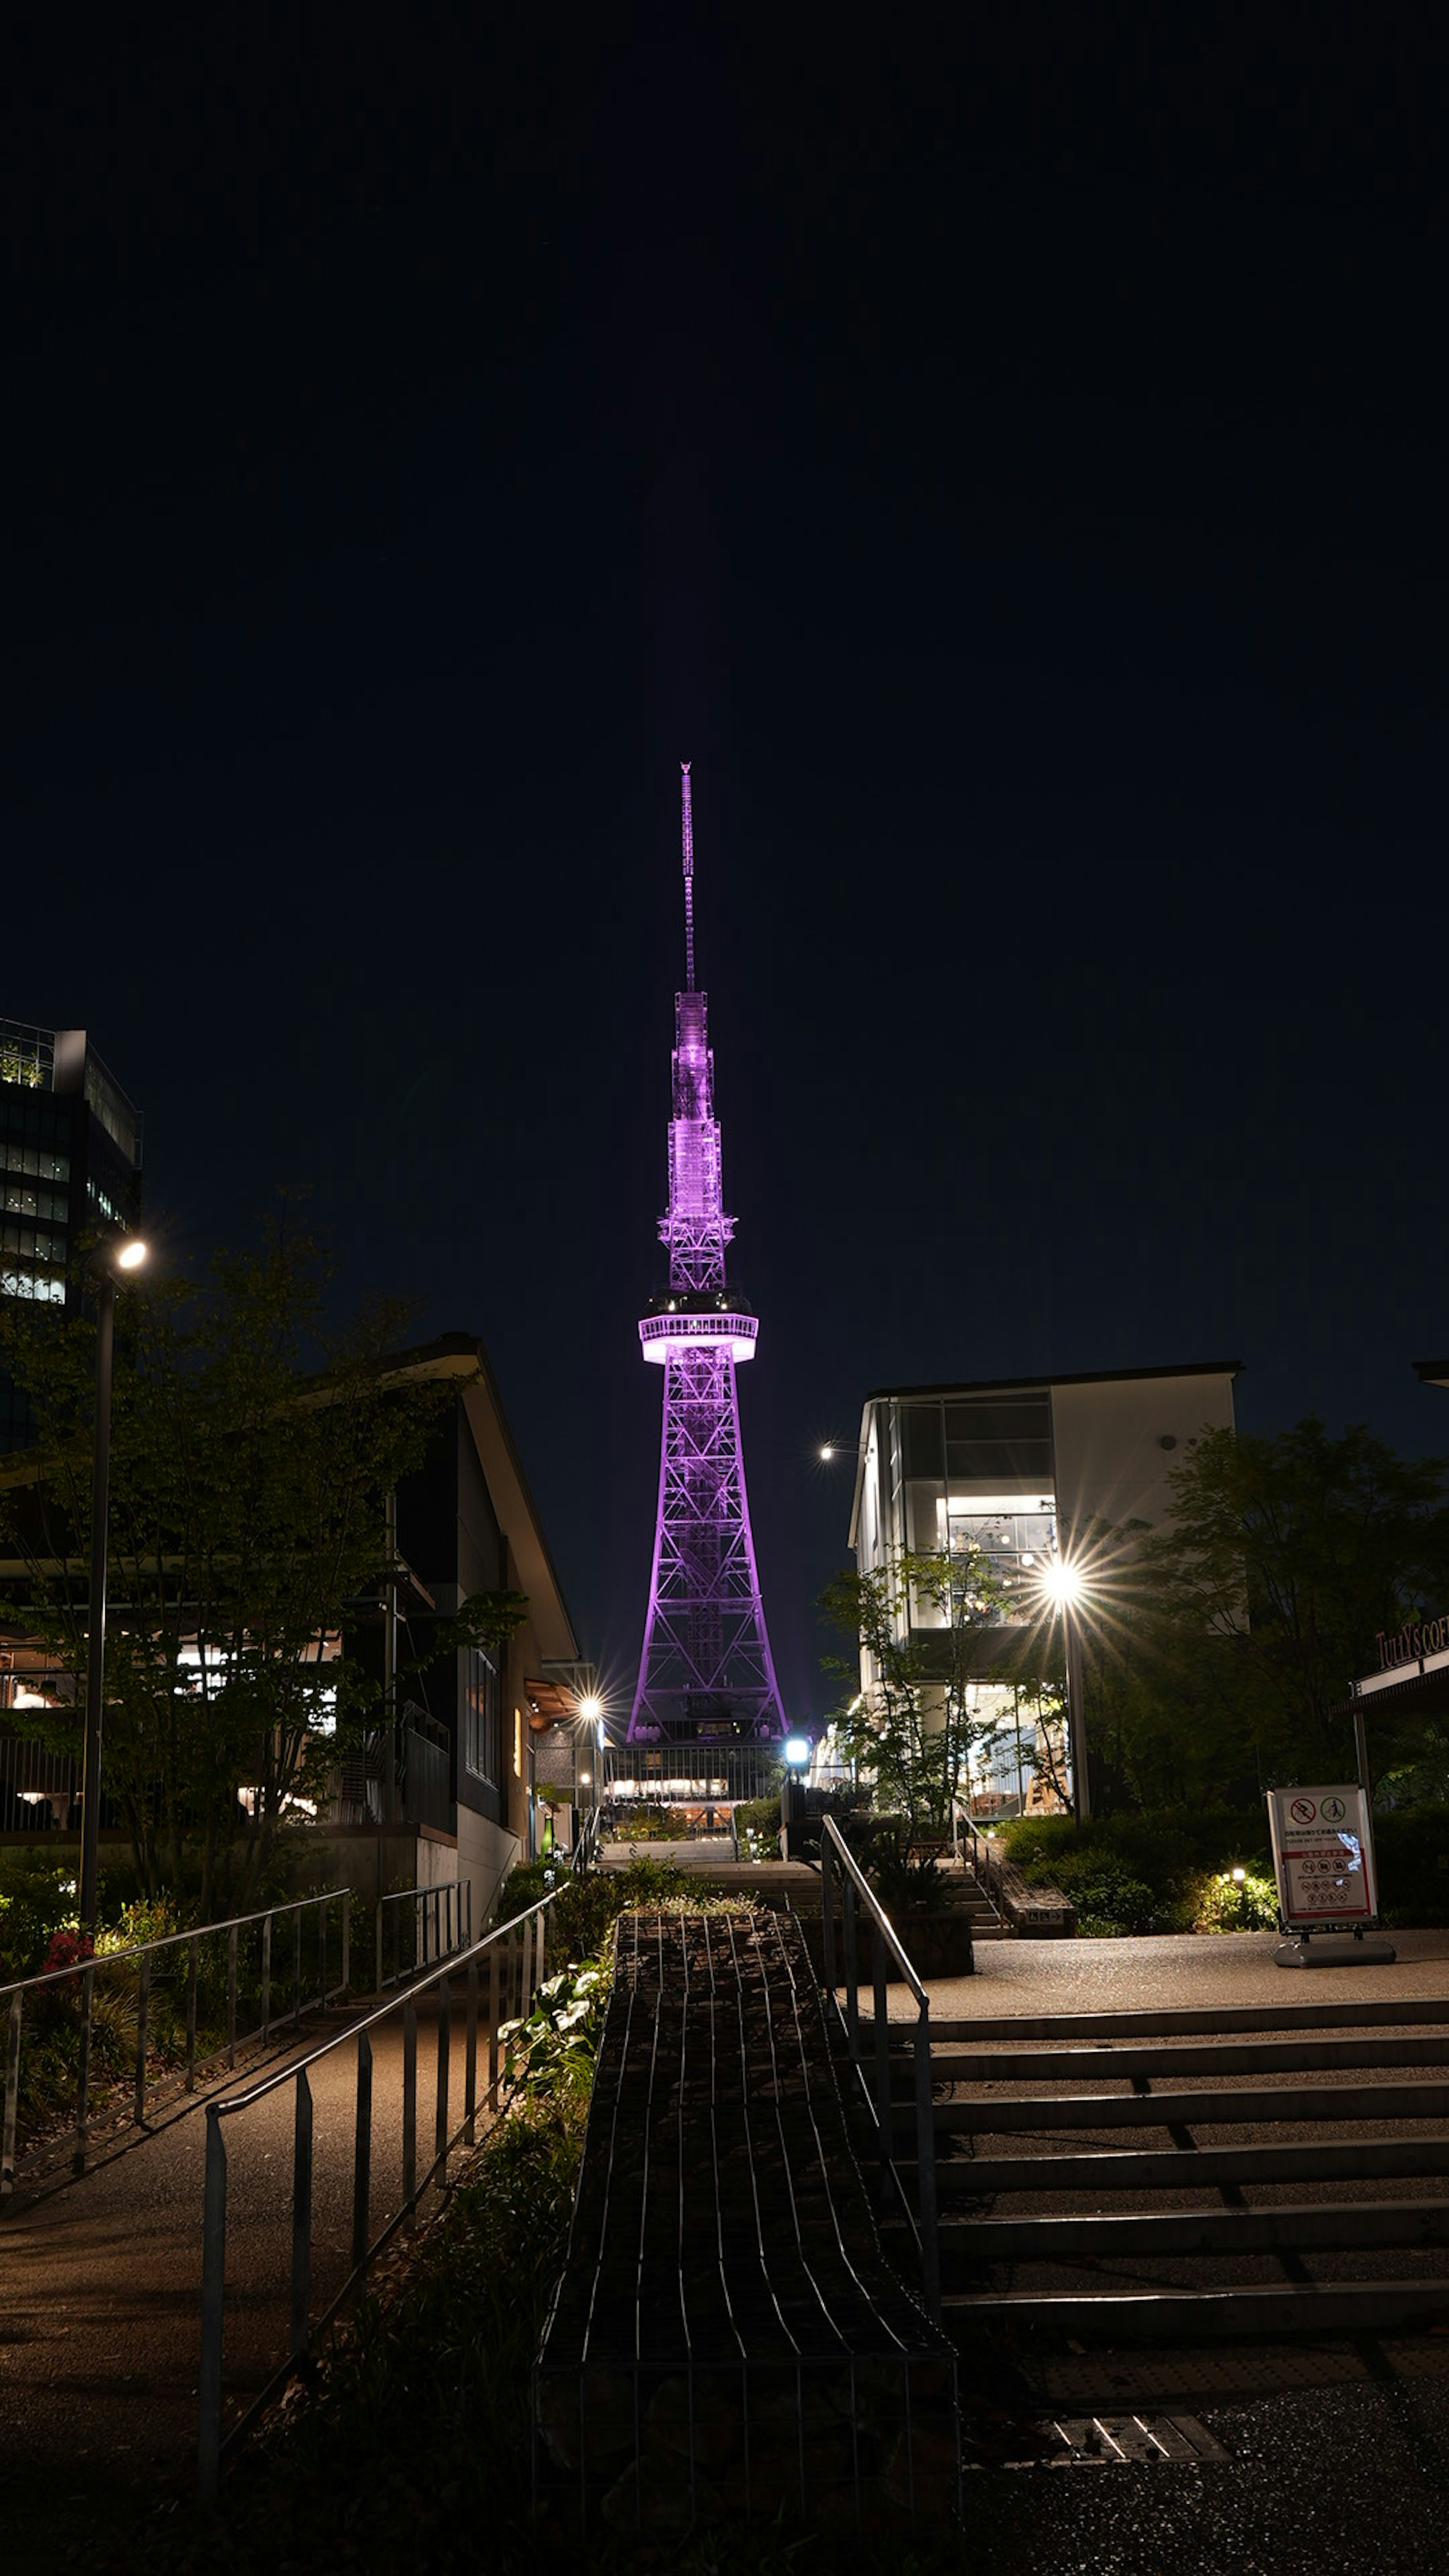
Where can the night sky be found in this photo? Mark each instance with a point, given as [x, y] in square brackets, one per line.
[1007, 459]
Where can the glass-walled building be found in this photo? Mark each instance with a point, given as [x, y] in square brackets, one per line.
[70, 1165]
[1009, 1472]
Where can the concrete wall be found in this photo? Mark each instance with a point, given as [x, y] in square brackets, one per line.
[486, 1852]
[1110, 1460]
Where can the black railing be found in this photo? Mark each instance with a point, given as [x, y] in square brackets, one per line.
[839, 1865]
[515, 1954]
[136, 1969]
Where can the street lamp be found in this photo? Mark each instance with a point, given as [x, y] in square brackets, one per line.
[591, 1718]
[1061, 1585]
[111, 1262]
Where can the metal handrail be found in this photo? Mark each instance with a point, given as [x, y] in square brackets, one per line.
[856, 1890]
[450, 1905]
[527, 1929]
[585, 1853]
[145, 1952]
[983, 1861]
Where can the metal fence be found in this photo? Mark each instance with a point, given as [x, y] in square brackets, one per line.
[136, 1973]
[514, 1952]
[36, 1786]
[420, 1925]
[838, 1867]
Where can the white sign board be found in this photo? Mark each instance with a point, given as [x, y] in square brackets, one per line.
[1323, 1854]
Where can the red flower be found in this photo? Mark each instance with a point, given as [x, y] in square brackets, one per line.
[68, 1950]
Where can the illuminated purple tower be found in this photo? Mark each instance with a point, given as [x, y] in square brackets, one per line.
[706, 1672]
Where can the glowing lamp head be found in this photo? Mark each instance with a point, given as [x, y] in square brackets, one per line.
[1061, 1583]
[591, 1708]
[827, 1452]
[1239, 1876]
[131, 1254]
[797, 1752]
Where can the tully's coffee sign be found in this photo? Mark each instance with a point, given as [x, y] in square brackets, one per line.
[1406, 1645]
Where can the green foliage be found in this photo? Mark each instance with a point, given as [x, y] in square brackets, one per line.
[1251, 1617]
[553, 2048]
[1226, 1904]
[1412, 1851]
[757, 1816]
[1163, 1872]
[640, 1821]
[906, 1883]
[251, 1454]
[37, 1898]
[586, 1909]
[912, 1730]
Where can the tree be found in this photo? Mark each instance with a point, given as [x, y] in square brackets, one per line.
[252, 1454]
[912, 1727]
[1287, 1555]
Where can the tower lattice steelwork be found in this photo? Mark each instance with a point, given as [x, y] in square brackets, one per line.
[706, 1673]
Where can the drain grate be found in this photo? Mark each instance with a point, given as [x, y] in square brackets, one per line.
[1109, 2441]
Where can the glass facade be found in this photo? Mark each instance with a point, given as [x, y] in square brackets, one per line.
[482, 1718]
[70, 1158]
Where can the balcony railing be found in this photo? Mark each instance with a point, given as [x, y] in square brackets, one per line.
[401, 1775]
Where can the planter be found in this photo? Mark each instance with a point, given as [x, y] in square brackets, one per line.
[937, 1942]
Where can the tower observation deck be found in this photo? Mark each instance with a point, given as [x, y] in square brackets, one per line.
[706, 1674]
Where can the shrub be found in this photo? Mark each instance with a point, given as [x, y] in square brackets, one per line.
[555, 2045]
[1226, 1904]
[586, 1909]
[757, 1816]
[1149, 1871]
[641, 1822]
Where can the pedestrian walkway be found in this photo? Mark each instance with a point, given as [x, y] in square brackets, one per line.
[1169, 1972]
[100, 2283]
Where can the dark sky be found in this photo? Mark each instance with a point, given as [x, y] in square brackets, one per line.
[1007, 458]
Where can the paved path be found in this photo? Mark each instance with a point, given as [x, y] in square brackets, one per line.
[1168, 1972]
[100, 2284]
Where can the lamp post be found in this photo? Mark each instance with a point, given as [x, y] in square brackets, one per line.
[110, 1264]
[1062, 1584]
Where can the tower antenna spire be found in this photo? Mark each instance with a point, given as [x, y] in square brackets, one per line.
[707, 1687]
[688, 877]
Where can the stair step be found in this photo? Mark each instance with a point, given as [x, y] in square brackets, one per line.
[1179, 2169]
[1169, 2110]
[1212, 2021]
[1094, 2065]
[1316, 2307]
[1321, 2227]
